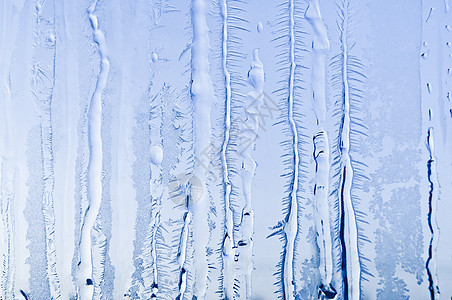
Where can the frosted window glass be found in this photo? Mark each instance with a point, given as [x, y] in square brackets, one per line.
[225, 149]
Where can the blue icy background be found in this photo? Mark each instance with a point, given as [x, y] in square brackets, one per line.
[138, 61]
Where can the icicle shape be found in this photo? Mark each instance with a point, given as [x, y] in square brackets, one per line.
[321, 209]
[202, 94]
[85, 268]
[320, 47]
[254, 105]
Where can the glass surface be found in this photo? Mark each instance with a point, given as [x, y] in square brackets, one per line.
[225, 149]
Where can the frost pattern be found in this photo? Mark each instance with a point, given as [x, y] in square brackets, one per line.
[162, 149]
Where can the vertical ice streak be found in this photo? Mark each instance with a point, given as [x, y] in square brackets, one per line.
[9, 26]
[181, 256]
[321, 209]
[228, 240]
[202, 96]
[155, 227]
[7, 174]
[432, 68]
[320, 47]
[128, 56]
[66, 91]
[254, 103]
[157, 189]
[43, 87]
[291, 220]
[348, 228]
[85, 267]
[431, 263]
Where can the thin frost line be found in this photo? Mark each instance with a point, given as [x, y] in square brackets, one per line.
[154, 230]
[150, 250]
[228, 240]
[349, 232]
[431, 263]
[291, 220]
[157, 190]
[154, 287]
[181, 256]
[429, 96]
[7, 174]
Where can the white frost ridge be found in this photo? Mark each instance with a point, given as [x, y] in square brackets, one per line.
[85, 271]
[320, 46]
[202, 95]
[249, 132]
[350, 230]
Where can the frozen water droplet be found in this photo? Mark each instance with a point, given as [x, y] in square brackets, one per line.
[260, 26]
[425, 54]
[256, 72]
[448, 28]
[429, 88]
[448, 44]
[425, 44]
[156, 155]
[154, 57]
[196, 189]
